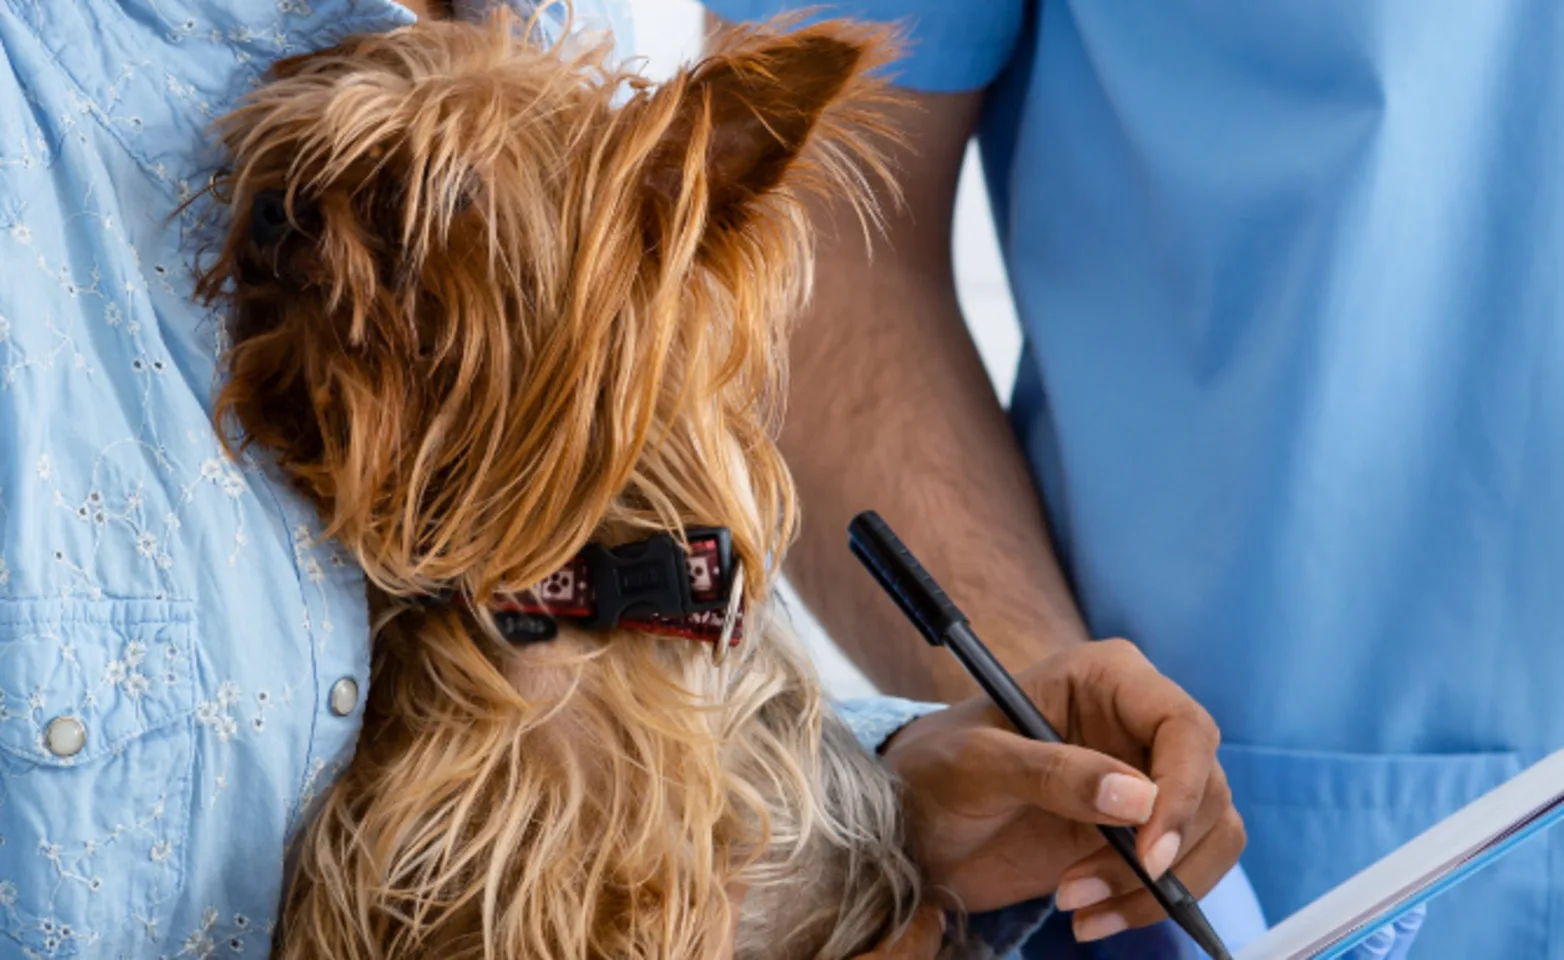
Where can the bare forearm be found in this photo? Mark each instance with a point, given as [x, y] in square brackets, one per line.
[891, 409]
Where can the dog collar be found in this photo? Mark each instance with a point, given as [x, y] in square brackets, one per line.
[653, 585]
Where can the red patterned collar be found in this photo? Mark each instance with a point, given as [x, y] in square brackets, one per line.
[654, 585]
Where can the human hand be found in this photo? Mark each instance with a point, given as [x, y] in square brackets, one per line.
[1231, 906]
[996, 819]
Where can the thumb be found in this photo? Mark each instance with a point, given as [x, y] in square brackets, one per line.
[1076, 783]
[920, 941]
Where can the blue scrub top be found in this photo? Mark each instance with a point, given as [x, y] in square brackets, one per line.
[1294, 389]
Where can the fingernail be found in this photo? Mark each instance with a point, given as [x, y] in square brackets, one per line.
[1099, 926]
[1126, 798]
[1162, 854]
[1081, 892]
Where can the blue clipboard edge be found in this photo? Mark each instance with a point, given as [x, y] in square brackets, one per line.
[1518, 834]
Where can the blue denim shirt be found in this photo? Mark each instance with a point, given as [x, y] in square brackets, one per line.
[172, 628]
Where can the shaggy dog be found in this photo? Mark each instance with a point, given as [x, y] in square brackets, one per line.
[497, 307]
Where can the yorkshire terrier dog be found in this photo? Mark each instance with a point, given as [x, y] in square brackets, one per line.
[515, 321]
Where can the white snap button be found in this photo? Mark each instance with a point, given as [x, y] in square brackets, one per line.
[344, 696]
[65, 736]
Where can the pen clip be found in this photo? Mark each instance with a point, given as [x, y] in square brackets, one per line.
[901, 575]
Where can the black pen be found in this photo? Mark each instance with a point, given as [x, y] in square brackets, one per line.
[944, 625]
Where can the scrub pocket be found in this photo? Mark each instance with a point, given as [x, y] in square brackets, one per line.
[1315, 819]
[96, 760]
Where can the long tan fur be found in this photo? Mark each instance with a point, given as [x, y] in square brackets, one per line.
[526, 302]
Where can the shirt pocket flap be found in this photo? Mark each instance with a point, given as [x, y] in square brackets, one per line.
[99, 673]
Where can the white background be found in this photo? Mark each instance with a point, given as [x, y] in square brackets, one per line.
[668, 32]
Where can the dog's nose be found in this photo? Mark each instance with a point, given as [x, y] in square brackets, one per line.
[269, 218]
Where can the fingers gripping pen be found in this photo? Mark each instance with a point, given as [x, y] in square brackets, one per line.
[944, 625]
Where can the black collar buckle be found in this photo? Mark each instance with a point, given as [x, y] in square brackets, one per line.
[656, 577]
[655, 585]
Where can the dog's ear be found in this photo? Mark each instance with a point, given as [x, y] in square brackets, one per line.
[755, 105]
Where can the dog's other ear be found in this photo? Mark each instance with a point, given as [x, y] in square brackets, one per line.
[756, 104]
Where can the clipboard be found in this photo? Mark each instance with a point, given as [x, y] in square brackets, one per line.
[1439, 858]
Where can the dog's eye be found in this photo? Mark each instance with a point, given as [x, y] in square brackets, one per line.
[269, 218]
